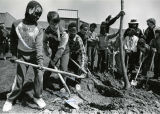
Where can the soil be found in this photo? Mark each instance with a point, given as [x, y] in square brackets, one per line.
[132, 101]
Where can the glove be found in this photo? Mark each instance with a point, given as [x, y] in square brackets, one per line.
[13, 59]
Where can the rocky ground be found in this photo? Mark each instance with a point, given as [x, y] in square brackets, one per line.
[105, 96]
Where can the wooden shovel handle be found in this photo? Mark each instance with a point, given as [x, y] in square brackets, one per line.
[49, 69]
[151, 65]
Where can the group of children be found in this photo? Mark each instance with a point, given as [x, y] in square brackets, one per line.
[28, 41]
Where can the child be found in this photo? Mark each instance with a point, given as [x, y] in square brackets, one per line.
[92, 46]
[77, 50]
[130, 47]
[102, 46]
[26, 45]
[57, 39]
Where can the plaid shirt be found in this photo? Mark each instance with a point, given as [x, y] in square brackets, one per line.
[77, 48]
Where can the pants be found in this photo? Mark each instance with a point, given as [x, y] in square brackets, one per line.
[4, 48]
[20, 76]
[63, 66]
[101, 60]
[132, 60]
[146, 64]
[91, 56]
[157, 65]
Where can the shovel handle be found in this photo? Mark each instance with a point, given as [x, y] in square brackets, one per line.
[78, 65]
[49, 69]
[140, 67]
[64, 83]
[151, 65]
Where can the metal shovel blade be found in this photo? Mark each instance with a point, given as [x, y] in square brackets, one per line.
[134, 82]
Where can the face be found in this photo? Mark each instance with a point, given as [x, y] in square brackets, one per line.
[72, 32]
[84, 30]
[35, 13]
[54, 24]
[92, 28]
[150, 25]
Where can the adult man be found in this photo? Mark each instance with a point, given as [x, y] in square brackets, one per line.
[26, 45]
[148, 36]
[134, 25]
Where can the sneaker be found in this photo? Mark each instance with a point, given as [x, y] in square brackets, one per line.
[7, 106]
[40, 102]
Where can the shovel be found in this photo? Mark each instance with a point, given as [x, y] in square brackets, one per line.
[49, 69]
[150, 73]
[134, 82]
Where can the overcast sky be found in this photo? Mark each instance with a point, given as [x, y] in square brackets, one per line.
[91, 10]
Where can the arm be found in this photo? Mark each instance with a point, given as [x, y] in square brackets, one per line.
[61, 47]
[110, 36]
[82, 51]
[13, 41]
[115, 18]
[45, 44]
[39, 47]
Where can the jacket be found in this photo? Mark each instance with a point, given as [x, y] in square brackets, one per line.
[58, 42]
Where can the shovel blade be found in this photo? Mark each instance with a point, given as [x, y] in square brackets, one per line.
[134, 82]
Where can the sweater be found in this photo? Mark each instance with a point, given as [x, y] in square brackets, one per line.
[27, 38]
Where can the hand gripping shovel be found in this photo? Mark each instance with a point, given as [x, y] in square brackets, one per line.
[134, 82]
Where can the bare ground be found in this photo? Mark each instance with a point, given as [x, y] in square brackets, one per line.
[133, 101]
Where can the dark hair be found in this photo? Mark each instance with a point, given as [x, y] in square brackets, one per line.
[103, 27]
[93, 25]
[30, 5]
[53, 16]
[83, 25]
[72, 25]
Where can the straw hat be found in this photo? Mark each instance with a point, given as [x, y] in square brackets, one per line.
[133, 21]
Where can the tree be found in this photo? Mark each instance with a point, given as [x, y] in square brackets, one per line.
[127, 84]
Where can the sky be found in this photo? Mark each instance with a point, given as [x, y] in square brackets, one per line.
[92, 10]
